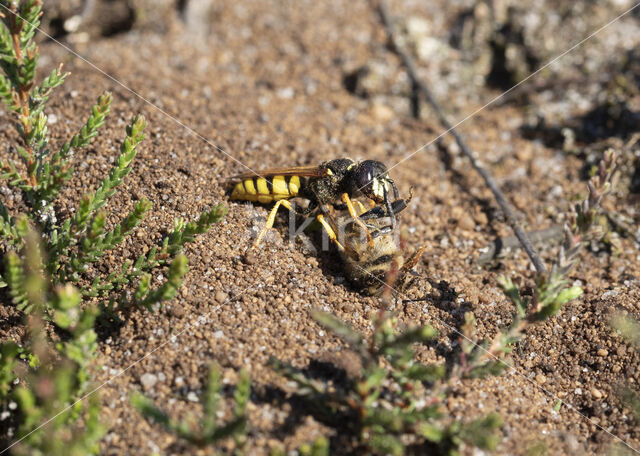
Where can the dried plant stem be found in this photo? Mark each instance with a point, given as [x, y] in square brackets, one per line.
[420, 86]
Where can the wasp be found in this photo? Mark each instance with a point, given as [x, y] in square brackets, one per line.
[371, 268]
[340, 179]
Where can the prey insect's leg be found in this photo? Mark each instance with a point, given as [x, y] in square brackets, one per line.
[379, 212]
[387, 203]
[272, 218]
[413, 260]
[352, 211]
[329, 230]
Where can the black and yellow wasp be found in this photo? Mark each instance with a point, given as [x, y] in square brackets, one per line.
[340, 179]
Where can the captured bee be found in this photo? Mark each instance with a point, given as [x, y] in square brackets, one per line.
[323, 185]
[367, 267]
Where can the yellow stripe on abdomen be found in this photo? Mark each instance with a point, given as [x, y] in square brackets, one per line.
[249, 187]
[294, 185]
[244, 191]
[261, 190]
[279, 186]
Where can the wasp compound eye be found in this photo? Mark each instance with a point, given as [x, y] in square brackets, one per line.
[370, 178]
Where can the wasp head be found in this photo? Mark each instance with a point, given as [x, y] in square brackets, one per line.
[371, 179]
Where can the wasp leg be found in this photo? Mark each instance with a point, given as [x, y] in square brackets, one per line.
[381, 231]
[296, 209]
[346, 200]
[342, 207]
[361, 207]
[272, 218]
[329, 230]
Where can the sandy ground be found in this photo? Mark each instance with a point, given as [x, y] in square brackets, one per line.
[266, 85]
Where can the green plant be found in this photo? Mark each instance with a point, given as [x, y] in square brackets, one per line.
[630, 330]
[51, 276]
[77, 242]
[552, 290]
[208, 432]
[393, 402]
[319, 447]
[58, 374]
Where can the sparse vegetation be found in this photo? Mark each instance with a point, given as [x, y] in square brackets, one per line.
[206, 431]
[552, 290]
[319, 447]
[75, 244]
[58, 374]
[628, 328]
[71, 262]
[50, 276]
[393, 403]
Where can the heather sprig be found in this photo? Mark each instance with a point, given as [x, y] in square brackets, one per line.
[209, 431]
[629, 328]
[552, 290]
[319, 447]
[75, 243]
[393, 403]
[58, 375]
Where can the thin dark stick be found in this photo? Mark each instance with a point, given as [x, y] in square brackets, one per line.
[416, 83]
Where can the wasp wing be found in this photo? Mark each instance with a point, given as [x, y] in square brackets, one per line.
[302, 171]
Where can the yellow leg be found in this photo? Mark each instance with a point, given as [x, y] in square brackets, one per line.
[329, 230]
[352, 211]
[362, 208]
[271, 219]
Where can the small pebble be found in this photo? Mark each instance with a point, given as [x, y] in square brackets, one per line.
[596, 393]
[220, 297]
[481, 218]
[602, 352]
[381, 112]
[193, 397]
[541, 379]
[107, 350]
[148, 381]
[176, 311]
[250, 257]
[466, 223]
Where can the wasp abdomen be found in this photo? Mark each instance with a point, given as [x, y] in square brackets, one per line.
[266, 190]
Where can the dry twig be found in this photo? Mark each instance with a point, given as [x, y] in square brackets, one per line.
[420, 86]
